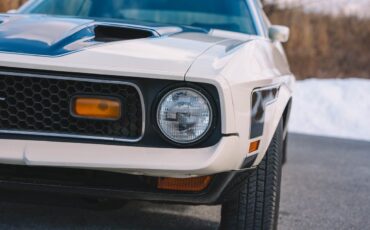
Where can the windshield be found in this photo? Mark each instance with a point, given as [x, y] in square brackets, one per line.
[232, 15]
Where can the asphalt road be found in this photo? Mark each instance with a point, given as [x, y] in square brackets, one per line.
[326, 185]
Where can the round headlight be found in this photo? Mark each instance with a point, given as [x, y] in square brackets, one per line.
[184, 115]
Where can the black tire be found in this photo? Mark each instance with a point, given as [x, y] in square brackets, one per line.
[256, 206]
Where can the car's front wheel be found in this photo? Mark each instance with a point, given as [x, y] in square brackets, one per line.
[256, 206]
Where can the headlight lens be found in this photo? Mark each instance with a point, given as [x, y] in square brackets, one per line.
[184, 115]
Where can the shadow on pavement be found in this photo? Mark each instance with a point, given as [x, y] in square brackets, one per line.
[41, 211]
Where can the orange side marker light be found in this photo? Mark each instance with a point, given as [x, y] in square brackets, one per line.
[254, 146]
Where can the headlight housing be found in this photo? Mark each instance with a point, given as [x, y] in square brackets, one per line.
[184, 115]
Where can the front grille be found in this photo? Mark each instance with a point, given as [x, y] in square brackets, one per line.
[40, 105]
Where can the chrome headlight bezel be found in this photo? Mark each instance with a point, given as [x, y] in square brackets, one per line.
[202, 94]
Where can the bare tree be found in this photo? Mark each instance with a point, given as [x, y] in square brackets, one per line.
[269, 6]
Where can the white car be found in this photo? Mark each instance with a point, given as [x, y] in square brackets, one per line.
[182, 101]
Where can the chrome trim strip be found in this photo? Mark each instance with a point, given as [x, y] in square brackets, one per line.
[255, 16]
[47, 134]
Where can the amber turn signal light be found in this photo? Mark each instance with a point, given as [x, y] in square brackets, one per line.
[254, 146]
[195, 184]
[96, 108]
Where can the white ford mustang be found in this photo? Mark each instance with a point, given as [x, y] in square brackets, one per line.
[182, 101]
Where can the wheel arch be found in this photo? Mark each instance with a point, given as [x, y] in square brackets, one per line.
[286, 116]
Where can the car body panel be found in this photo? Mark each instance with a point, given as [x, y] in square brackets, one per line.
[236, 64]
[254, 63]
[147, 57]
[125, 159]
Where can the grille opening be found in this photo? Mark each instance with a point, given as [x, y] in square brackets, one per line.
[112, 33]
[40, 106]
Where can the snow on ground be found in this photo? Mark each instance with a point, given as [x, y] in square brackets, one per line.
[337, 108]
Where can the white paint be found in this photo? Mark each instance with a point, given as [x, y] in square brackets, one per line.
[160, 58]
[235, 65]
[136, 160]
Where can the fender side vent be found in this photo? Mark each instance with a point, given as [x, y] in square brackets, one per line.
[114, 33]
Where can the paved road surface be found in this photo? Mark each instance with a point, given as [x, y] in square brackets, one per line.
[326, 185]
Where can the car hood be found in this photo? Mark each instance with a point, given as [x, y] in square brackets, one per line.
[113, 48]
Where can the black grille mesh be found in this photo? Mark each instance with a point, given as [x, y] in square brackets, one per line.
[33, 104]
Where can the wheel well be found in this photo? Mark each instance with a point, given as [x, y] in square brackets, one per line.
[286, 116]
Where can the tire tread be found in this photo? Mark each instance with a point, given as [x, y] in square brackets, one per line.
[256, 204]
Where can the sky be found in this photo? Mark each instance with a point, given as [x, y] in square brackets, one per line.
[359, 8]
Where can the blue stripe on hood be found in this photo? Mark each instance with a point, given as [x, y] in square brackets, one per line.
[40, 35]
[55, 36]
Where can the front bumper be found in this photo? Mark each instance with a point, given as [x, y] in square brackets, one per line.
[165, 162]
[97, 184]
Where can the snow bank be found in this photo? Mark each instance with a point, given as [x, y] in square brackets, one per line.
[337, 108]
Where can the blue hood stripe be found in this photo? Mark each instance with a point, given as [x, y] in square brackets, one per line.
[55, 36]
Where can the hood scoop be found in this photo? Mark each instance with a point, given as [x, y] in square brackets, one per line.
[107, 33]
[53, 36]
